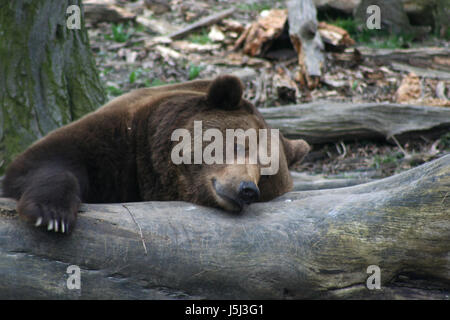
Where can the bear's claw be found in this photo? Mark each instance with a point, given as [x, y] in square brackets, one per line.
[38, 222]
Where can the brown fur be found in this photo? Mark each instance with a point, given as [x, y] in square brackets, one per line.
[121, 153]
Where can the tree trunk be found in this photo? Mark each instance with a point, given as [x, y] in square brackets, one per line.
[47, 73]
[305, 38]
[323, 122]
[312, 244]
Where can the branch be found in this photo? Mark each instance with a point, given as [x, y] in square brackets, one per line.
[202, 23]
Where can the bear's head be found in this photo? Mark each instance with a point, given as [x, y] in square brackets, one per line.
[221, 152]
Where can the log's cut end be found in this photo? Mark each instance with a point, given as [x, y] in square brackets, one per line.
[311, 244]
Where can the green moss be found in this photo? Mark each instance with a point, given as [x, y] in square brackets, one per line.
[50, 83]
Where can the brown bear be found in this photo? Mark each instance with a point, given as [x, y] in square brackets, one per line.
[123, 152]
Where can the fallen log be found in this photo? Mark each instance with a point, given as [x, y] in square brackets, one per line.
[425, 58]
[422, 72]
[312, 244]
[323, 122]
[304, 182]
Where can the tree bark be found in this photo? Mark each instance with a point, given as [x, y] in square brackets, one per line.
[428, 57]
[47, 73]
[312, 244]
[305, 38]
[323, 122]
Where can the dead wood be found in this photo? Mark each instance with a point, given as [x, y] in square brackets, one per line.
[212, 19]
[323, 122]
[312, 244]
[334, 37]
[305, 38]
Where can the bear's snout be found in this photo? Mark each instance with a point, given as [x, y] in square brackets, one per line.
[248, 192]
[233, 196]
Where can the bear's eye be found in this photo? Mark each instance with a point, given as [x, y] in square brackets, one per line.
[239, 148]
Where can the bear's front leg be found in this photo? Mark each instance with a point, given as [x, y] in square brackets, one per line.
[51, 198]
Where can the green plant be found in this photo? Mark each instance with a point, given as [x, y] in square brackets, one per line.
[348, 24]
[106, 71]
[255, 6]
[200, 37]
[194, 71]
[392, 41]
[132, 77]
[393, 158]
[120, 33]
[135, 74]
[153, 83]
[114, 91]
[373, 38]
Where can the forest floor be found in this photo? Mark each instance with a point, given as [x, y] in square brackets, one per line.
[128, 58]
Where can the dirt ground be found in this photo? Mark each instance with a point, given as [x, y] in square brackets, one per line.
[127, 58]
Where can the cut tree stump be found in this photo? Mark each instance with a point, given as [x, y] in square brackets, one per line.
[312, 244]
[323, 122]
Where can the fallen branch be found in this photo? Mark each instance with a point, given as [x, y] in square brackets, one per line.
[323, 122]
[313, 244]
[202, 23]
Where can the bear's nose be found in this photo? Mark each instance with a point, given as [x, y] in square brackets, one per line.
[248, 192]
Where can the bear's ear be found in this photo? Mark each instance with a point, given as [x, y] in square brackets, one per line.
[295, 150]
[225, 92]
